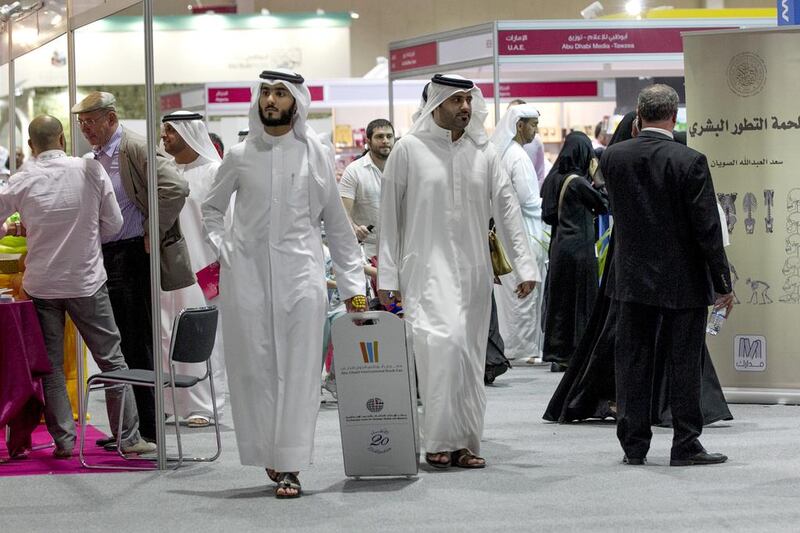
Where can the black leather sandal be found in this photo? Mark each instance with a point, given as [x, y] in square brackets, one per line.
[287, 480]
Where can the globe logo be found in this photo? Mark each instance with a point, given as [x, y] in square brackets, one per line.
[375, 405]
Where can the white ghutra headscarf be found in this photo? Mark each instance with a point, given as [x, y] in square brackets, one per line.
[506, 129]
[319, 157]
[192, 129]
[440, 89]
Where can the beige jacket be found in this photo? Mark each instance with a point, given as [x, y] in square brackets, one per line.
[176, 269]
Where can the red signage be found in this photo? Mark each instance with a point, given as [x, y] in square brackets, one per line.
[545, 89]
[229, 95]
[592, 41]
[411, 57]
[171, 101]
[317, 93]
[219, 10]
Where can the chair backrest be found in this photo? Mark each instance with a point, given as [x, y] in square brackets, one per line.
[193, 334]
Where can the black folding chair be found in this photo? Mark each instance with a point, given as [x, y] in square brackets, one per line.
[193, 334]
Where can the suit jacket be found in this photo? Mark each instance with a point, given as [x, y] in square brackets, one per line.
[176, 268]
[667, 233]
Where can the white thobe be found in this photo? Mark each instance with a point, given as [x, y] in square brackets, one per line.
[520, 320]
[273, 292]
[436, 200]
[194, 400]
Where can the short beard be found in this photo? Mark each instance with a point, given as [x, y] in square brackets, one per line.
[379, 155]
[283, 120]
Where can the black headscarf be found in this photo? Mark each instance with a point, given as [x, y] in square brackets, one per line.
[574, 158]
[623, 131]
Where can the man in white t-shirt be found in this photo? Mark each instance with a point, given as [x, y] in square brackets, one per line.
[360, 186]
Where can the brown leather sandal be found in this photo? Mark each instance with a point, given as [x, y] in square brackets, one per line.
[439, 464]
[461, 458]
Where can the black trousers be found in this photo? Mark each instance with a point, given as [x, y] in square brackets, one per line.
[678, 337]
[128, 269]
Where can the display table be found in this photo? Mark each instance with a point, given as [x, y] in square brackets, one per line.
[23, 361]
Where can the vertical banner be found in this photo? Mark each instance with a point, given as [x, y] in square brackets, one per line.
[744, 114]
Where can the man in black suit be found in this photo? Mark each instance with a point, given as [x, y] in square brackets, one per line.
[669, 262]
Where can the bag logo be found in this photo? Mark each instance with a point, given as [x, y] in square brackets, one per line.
[369, 351]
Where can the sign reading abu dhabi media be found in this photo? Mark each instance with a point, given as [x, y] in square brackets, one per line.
[788, 12]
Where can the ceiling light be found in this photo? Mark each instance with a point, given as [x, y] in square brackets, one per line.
[592, 11]
[354, 15]
[320, 11]
[633, 7]
[265, 11]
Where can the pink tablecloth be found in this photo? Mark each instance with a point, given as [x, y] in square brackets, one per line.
[23, 361]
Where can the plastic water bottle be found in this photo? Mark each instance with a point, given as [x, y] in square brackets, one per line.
[715, 320]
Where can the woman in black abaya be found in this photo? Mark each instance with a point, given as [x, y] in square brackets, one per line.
[571, 284]
[587, 390]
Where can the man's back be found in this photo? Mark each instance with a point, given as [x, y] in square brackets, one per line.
[66, 203]
[666, 226]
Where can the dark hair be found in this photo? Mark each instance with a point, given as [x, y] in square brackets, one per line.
[517, 101]
[598, 129]
[657, 102]
[217, 142]
[378, 123]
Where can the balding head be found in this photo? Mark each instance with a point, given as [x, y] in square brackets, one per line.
[45, 133]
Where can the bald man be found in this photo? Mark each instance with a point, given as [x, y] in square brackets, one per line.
[68, 206]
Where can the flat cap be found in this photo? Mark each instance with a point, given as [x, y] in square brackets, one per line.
[95, 100]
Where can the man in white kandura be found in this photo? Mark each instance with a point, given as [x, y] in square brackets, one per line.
[520, 320]
[441, 185]
[185, 138]
[272, 282]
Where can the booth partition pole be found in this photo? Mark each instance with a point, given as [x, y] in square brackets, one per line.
[155, 259]
[73, 141]
[496, 72]
[12, 104]
[391, 98]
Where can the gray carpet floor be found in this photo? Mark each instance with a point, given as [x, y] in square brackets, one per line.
[541, 477]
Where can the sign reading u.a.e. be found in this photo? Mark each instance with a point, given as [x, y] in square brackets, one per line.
[788, 12]
[749, 353]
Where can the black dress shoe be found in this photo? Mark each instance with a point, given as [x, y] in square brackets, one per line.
[634, 460]
[702, 458]
[105, 440]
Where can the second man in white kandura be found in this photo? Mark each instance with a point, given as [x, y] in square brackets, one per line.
[441, 185]
[185, 138]
[521, 319]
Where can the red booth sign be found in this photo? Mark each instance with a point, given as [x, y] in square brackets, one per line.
[592, 41]
[412, 57]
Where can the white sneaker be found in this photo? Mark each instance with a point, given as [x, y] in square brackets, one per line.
[140, 447]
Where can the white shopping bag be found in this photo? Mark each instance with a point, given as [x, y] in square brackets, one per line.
[376, 386]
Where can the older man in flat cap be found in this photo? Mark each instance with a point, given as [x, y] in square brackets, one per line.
[271, 282]
[123, 154]
[442, 183]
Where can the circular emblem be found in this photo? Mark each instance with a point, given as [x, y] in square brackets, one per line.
[375, 405]
[747, 74]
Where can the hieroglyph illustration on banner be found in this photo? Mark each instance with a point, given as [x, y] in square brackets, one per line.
[744, 115]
